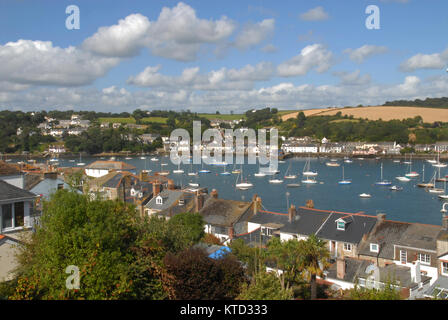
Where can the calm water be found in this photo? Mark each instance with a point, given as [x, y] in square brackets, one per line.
[412, 204]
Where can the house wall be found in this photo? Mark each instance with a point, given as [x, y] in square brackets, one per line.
[412, 255]
[442, 247]
[252, 226]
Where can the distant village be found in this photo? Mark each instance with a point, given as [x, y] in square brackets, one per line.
[287, 145]
[365, 250]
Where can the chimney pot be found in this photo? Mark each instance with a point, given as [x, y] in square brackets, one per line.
[445, 222]
[291, 213]
[340, 268]
[214, 193]
[380, 217]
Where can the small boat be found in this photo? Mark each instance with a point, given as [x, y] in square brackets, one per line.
[309, 181]
[243, 185]
[112, 158]
[396, 188]
[54, 160]
[128, 158]
[332, 164]
[436, 190]
[146, 170]
[292, 185]
[204, 171]
[289, 176]
[192, 173]
[236, 171]
[164, 164]
[80, 163]
[71, 160]
[348, 161]
[383, 182]
[164, 173]
[425, 185]
[275, 181]
[397, 161]
[403, 179]
[365, 195]
[307, 169]
[192, 184]
[344, 181]
[179, 170]
[434, 161]
[412, 174]
[153, 159]
[439, 164]
[258, 174]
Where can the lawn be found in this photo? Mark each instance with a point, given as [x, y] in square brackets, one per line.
[155, 119]
[117, 120]
[222, 116]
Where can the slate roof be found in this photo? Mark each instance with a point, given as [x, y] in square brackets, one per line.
[389, 233]
[254, 238]
[222, 212]
[170, 205]
[9, 192]
[357, 225]
[111, 165]
[440, 283]
[353, 267]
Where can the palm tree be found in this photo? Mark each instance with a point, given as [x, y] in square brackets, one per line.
[314, 258]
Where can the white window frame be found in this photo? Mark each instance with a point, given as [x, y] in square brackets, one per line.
[159, 200]
[348, 247]
[267, 231]
[442, 268]
[374, 245]
[13, 216]
[339, 223]
[405, 256]
[424, 260]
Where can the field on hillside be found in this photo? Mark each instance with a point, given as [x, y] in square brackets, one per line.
[385, 113]
[222, 116]
[308, 112]
[117, 120]
[154, 119]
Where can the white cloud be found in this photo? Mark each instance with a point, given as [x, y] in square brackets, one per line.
[270, 48]
[177, 34]
[426, 61]
[314, 56]
[121, 40]
[353, 78]
[222, 79]
[315, 14]
[366, 51]
[40, 63]
[253, 34]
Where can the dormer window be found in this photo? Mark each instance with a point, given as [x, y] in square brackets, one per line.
[181, 202]
[159, 200]
[374, 247]
[340, 225]
[266, 231]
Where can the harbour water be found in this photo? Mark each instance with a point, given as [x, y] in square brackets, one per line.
[412, 204]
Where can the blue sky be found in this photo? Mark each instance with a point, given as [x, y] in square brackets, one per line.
[228, 56]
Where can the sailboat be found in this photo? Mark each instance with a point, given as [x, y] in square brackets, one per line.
[225, 172]
[259, 173]
[204, 170]
[407, 162]
[365, 195]
[307, 169]
[236, 171]
[396, 188]
[243, 185]
[440, 179]
[411, 174]
[423, 184]
[332, 163]
[80, 163]
[153, 159]
[439, 164]
[291, 176]
[344, 181]
[383, 182]
[127, 156]
[179, 170]
[433, 188]
[443, 196]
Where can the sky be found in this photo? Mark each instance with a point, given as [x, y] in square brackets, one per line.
[208, 56]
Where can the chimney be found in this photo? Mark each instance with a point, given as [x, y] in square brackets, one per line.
[230, 230]
[170, 184]
[291, 213]
[143, 175]
[155, 188]
[214, 193]
[416, 275]
[256, 203]
[380, 217]
[199, 201]
[340, 268]
[445, 222]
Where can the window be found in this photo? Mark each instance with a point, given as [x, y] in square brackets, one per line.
[19, 214]
[403, 256]
[159, 200]
[445, 268]
[341, 225]
[7, 216]
[347, 247]
[424, 258]
[266, 231]
[374, 247]
[13, 217]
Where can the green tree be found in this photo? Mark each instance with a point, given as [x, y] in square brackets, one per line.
[265, 286]
[388, 292]
[96, 236]
[189, 226]
[314, 258]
